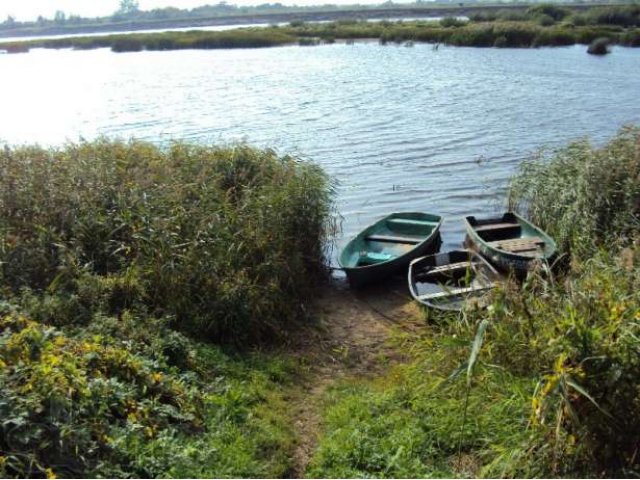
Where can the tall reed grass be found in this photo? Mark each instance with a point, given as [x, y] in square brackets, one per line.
[587, 198]
[533, 29]
[228, 241]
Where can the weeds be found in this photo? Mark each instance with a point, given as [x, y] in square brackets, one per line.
[584, 197]
[228, 242]
[540, 25]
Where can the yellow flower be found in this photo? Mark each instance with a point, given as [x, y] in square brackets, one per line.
[50, 474]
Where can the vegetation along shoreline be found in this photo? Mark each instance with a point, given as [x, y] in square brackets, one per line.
[166, 312]
[537, 26]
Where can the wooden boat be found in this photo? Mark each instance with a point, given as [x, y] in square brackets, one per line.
[386, 247]
[510, 242]
[451, 280]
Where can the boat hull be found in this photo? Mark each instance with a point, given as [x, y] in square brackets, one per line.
[381, 247]
[490, 238]
[449, 281]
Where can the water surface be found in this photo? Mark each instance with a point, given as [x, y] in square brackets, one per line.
[399, 128]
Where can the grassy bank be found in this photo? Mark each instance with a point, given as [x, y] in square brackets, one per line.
[121, 264]
[553, 386]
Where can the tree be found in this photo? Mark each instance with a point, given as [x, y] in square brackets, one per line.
[128, 7]
[59, 17]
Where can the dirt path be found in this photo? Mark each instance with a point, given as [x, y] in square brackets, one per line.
[350, 341]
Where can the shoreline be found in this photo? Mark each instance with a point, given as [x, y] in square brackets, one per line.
[497, 33]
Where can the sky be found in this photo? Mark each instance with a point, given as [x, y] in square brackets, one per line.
[30, 9]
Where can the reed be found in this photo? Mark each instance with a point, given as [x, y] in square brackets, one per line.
[587, 198]
[228, 241]
[544, 25]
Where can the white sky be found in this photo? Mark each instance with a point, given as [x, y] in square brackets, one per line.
[30, 9]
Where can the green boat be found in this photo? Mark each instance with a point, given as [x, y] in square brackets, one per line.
[388, 246]
[510, 242]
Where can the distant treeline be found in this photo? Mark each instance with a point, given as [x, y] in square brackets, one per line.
[540, 25]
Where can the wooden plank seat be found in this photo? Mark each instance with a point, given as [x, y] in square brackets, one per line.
[408, 221]
[496, 226]
[394, 239]
[451, 292]
[442, 269]
[518, 245]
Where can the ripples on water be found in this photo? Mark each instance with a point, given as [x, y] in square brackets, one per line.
[399, 128]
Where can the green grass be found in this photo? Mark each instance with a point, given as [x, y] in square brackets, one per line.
[554, 392]
[408, 423]
[128, 396]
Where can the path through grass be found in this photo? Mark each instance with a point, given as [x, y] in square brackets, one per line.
[350, 343]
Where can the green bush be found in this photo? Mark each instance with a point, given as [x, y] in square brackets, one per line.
[68, 404]
[580, 338]
[228, 241]
[452, 22]
[587, 198]
[555, 12]
[623, 15]
[128, 397]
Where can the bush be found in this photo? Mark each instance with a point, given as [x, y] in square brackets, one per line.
[128, 397]
[585, 197]
[580, 339]
[600, 46]
[555, 12]
[228, 241]
[625, 16]
[127, 45]
[452, 22]
[68, 404]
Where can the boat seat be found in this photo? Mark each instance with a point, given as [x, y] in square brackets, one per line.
[435, 271]
[496, 226]
[451, 292]
[394, 239]
[408, 221]
[519, 245]
[371, 258]
[452, 267]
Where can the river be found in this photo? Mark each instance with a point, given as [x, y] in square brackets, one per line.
[437, 130]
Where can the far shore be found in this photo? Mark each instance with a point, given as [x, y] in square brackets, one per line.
[317, 15]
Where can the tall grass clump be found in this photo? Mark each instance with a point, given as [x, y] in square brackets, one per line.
[580, 339]
[551, 391]
[128, 397]
[228, 242]
[586, 197]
